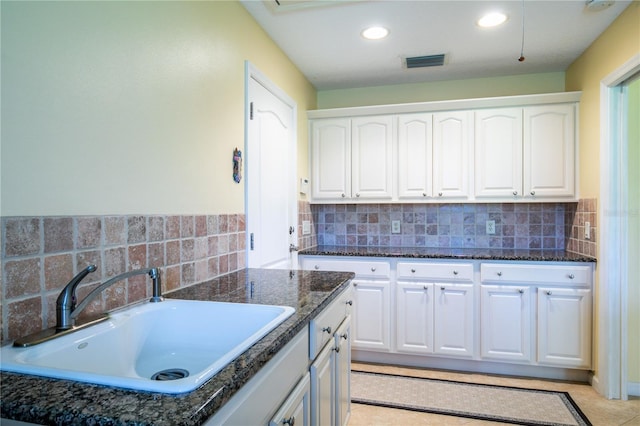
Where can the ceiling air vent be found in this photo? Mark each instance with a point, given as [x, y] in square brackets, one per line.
[425, 61]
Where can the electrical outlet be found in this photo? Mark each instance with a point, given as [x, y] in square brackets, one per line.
[306, 227]
[395, 226]
[587, 230]
[491, 227]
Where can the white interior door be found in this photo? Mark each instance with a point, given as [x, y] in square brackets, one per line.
[271, 202]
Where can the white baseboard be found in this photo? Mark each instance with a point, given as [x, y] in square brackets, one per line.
[633, 388]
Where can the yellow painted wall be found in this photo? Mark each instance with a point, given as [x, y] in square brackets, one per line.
[615, 46]
[526, 84]
[131, 107]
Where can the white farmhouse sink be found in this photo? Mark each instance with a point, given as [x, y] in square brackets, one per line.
[173, 338]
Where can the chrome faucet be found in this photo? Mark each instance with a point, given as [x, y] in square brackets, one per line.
[66, 309]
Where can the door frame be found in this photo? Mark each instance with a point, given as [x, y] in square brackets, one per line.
[252, 72]
[612, 278]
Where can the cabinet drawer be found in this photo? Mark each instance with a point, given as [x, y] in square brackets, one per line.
[457, 272]
[362, 268]
[536, 274]
[323, 326]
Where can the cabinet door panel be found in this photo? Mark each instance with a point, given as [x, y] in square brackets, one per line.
[372, 157]
[414, 317]
[331, 159]
[549, 140]
[498, 152]
[322, 389]
[564, 327]
[451, 164]
[506, 331]
[343, 371]
[415, 156]
[453, 319]
[371, 321]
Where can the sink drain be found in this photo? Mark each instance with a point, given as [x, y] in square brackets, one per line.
[170, 374]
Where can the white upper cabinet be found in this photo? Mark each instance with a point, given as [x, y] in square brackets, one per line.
[549, 151]
[331, 153]
[451, 140]
[515, 149]
[352, 158]
[372, 157]
[415, 156]
[498, 152]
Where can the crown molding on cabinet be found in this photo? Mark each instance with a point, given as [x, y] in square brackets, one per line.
[457, 104]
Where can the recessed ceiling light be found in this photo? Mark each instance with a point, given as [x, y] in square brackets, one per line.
[492, 19]
[375, 33]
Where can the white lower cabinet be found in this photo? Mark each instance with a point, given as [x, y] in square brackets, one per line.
[506, 332]
[414, 317]
[296, 409]
[372, 320]
[331, 363]
[564, 327]
[453, 320]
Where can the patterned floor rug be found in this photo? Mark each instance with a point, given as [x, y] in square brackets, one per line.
[477, 401]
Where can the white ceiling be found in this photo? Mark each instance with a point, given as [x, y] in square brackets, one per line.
[322, 37]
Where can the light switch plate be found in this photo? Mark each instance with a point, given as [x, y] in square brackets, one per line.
[395, 226]
[587, 230]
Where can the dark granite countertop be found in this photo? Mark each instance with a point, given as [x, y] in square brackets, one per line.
[449, 253]
[51, 401]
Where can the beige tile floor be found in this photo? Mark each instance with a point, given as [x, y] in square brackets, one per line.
[600, 411]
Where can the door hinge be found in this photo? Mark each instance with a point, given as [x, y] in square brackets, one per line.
[251, 111]
[251, 241]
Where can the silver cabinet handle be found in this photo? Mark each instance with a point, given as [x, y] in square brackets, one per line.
[500, 273]
[349, 302]
[533, 192]
[571, 276]
[549, 293]
[317, 267]
[327, 329]
[439, 194]
[345, 336]
[515, 192]
[342, 195]
[337, 349]
[291, 421]
[413, 271]
[424, 287]
[455, 272]
[355, 284]
[442, 288]
[373, 269]
[520, 290]
[424, 194]
[357, 194]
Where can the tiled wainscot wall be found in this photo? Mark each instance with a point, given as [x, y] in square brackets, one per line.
[41, 254]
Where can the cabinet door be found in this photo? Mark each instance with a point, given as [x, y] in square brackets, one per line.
[343, 372]
[506, 328]
[371, 315]
[549, 151]
[322, 387]
[453, 319]
[331, 159]
[414, 317]
[451, 145]
[415, 156]
[564, 327]
[372, 157]
[296, 409]
[498, 152]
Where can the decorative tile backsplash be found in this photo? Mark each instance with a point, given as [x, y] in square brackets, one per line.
[41, 254]
[585, 211]
[517, 226]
